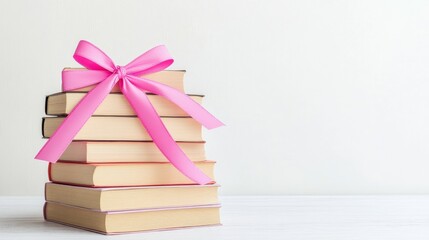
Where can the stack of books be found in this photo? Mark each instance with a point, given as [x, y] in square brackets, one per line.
[113, 179]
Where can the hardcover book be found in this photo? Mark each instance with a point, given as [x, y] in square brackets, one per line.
[123, 174]
[184, 129]
[172, 78]
[132, 221]
[115, 104]
[131, 198]
[114, 151]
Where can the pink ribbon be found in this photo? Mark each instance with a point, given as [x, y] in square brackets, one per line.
[103, 72]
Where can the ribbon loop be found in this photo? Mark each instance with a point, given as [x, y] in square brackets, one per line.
[154, 60]
[91, 57]
[103, 72]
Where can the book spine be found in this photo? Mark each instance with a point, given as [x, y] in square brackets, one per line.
[43, 127]
[46, 199]
[49, 174]
[44, 211]
[46, 105]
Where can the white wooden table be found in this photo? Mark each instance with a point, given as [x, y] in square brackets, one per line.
[249, 217]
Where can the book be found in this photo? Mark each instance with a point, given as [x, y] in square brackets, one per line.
[172, 78]
[117, 222]
[131, 198]
[184, 129]
[110, 152]
[122, 174]
[115, 104]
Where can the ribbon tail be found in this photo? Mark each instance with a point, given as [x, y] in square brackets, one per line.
[61, 138]
[195, 110]
[160, 135]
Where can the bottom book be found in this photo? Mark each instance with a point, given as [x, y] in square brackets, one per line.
[117, 222]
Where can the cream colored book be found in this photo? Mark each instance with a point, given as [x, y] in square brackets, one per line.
[132, 221]
[115, 104]
[172, 78]
[127, 129]
[131, 198]
[110, 152]
[123, 174]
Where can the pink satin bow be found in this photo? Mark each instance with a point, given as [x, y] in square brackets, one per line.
[103, 72]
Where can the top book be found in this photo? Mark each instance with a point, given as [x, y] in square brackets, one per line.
[172, 78]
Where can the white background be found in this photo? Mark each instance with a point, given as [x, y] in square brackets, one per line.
[319, 97]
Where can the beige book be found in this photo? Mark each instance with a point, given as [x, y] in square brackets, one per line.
[123, 174]
[132, 221]
[105, 151]
[115, 104]
[127, 129]
[172, 78]
[131, 198]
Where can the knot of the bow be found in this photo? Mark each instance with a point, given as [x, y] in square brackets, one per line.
[121, 71]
